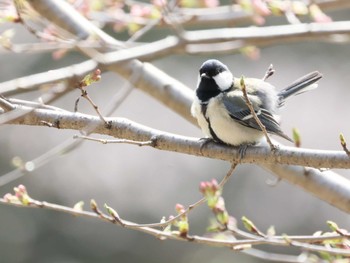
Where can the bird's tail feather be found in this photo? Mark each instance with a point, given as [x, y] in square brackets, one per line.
[299, 86]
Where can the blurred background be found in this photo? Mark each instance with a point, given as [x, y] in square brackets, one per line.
[144, 184]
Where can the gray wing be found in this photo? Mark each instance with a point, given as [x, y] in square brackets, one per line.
[239, 111]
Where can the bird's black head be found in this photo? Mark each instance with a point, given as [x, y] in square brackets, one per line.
[212, 68]
[215, 78]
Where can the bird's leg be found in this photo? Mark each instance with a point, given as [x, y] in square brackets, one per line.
[204, 141]
[242, 150]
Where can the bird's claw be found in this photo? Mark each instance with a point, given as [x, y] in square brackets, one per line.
[242, 150]
[204, 142]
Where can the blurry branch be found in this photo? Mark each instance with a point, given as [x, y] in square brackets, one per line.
[213, 16]
[36, 81]
[219, 41]
[228, 40]
[332, 4]
[22, 199]
[123, 61]
[253, 35]
[61, 13]
[233, 15]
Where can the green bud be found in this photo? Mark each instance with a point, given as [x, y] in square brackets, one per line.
[296, 137]
[183, 227]
[111, 211]
[332, 225]
[242, 82]
[93, 204]
[248, 224]
[342, 139]
[223, 218]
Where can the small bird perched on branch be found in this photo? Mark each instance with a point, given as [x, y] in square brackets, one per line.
[222, 111]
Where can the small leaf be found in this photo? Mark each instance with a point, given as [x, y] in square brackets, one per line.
[79, 206]
[6, 38]
[183, 227]
[296, 137]
[91, 78]
[317, 14]
[271, 231]
[252, 52]
[299, 8]
[112, 212]
[246, 5]
[342, 139]
[223, 217]
[332, 225]
[248, 224]
[242, 82]
[93, 204]
[133, 28]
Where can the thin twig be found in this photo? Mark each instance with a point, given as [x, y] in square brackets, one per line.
[98, 214]
[131, 225]
[228, 174]
[82, 85]
[196, 204]
[139, 33]
[85, 95]
[252, 111]
[105, 141]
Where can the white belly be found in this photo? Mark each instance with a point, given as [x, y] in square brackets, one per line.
[225, 128]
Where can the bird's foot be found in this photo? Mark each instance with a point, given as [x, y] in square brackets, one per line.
[204, 142]
[243, 149]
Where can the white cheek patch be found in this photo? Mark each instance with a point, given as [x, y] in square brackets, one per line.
[224, 80]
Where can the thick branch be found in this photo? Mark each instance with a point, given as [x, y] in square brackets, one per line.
[327, 186]
[125, 129]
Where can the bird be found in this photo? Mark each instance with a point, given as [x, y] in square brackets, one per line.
[221, 110]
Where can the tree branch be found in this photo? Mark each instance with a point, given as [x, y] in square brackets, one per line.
[125, 129]
[328, 186]
[217, 16]
[254, 240]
